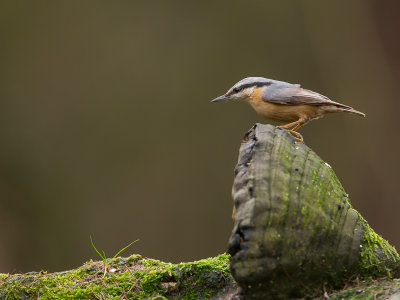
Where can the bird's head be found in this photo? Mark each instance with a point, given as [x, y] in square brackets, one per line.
[245, 88]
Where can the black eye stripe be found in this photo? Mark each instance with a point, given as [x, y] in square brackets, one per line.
[244, 86]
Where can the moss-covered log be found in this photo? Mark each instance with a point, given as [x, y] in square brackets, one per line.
[126, 278]
[295, 231]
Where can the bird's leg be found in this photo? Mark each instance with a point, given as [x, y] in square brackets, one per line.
[297, 127]
[297, 136]
[302, 121]
[288, 126]
[292, 127]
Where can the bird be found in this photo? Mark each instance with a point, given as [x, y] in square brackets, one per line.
[284, 102]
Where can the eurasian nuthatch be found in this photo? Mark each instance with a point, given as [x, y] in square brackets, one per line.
[284, 102]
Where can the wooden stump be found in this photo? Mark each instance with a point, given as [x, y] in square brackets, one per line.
[295, 232]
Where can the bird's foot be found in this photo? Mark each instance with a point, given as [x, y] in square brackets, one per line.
[297, 136]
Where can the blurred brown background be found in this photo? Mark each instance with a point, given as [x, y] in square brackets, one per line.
[106, 127]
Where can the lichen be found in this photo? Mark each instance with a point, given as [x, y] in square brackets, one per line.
[132, 278]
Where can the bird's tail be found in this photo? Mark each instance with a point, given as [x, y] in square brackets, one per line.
[353, 111]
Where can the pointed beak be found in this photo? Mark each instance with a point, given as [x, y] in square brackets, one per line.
[220, 98]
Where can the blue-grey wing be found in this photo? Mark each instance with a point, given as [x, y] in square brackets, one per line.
[295, 96]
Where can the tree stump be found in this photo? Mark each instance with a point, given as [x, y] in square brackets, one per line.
[295, 232]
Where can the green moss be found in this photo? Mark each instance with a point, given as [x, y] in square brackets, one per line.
[378, 257]
[133, 278]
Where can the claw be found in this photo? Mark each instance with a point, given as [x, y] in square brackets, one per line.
[299, 140]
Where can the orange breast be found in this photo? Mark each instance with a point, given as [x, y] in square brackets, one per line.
[281, 112]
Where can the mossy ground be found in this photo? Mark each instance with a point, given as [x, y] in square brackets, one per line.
[133, 277]
[367, 289]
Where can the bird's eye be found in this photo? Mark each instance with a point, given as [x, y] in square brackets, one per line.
[236, 90]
